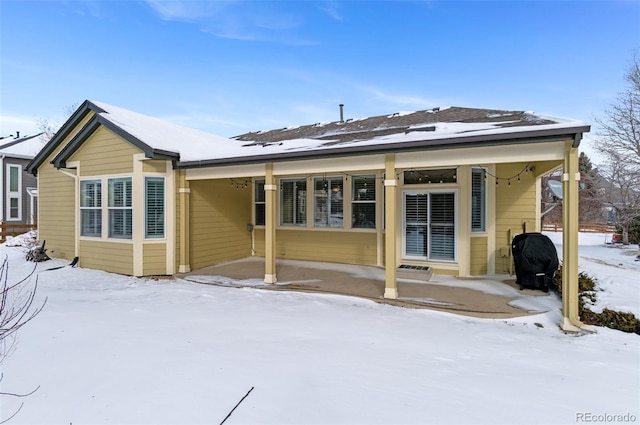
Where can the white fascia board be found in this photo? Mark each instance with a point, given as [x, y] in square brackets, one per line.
[330, 165]
[547, 151]
[231, 171]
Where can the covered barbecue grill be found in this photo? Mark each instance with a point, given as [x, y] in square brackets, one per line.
[535, 259]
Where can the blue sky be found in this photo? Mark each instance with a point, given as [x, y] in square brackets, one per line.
[229, 67]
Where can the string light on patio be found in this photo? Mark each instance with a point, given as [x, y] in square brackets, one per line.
[527, 169]
[240, 183]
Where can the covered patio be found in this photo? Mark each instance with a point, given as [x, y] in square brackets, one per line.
[492, 296]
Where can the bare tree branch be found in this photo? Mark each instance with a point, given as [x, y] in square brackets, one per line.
[16, 306]
[619, 142]
[13, 415]
[16, 310]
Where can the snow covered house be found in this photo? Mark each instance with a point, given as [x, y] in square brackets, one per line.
[19, 196]
[445, 188]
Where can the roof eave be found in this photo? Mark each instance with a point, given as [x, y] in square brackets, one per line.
[531, 136]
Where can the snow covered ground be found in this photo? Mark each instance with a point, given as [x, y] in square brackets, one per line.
[110, 349]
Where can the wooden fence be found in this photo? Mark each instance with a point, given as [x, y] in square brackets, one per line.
[592, 228]
[11, 229]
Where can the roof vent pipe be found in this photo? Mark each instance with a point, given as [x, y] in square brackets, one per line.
[342, 112]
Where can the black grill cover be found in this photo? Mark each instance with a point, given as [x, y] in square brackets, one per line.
[536, 260]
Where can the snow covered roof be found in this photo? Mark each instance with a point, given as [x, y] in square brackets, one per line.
[435, 128]
[190, 144]
[341, 132]
[24, 147]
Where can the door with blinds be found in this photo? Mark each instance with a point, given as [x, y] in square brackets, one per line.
[429, 225]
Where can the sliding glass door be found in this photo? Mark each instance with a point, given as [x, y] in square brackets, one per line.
[429, 225]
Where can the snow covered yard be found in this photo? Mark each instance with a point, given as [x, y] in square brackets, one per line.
[110, 349]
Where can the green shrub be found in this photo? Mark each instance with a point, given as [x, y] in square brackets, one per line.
[585, 282]
[618, 320]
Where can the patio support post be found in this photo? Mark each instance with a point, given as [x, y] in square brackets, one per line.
[270, 188]
[570, 181]
[184, 191]
[390, 210]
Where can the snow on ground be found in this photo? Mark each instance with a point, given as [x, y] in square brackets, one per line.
[615, 266]
[111, 349]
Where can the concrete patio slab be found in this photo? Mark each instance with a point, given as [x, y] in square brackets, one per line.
[489, 296]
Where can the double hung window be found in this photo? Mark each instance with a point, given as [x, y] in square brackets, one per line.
[115, 207]
[329, 205]
[363, 202]
[91, 208]
[293, 202]
[120, 208]
[14, 192]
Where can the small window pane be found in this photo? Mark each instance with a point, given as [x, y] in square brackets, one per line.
[260, 214]
[364, 216]
[120, 192]
[120, 223]
[13, 179]
[259, 201]
[259, 191]
[90, 193]
[364, 188]
[91, 222]
[443, 175]
[13, 208]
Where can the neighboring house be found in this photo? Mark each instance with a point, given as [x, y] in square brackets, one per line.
[19, 197]
[446, 188]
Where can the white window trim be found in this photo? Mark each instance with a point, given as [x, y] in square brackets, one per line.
[375, 201]
[254, 216]
[109, 208]
[33, 196]
[13, 194]
[104, 180]
[306, 203]
[81, 208]
[455, 225]
[164, 187]
[328, 179]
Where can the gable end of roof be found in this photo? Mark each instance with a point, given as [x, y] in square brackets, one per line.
[60, 160]
[74, 144]
[71, 123]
